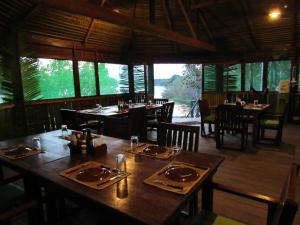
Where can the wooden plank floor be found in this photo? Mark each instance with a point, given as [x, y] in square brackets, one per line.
[262, 170]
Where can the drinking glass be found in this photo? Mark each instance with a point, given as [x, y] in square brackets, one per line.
[134, 141]
[255, 102]
[121, 159]
[176, 150]
[226, 101]
[36, 142]
[64, 130]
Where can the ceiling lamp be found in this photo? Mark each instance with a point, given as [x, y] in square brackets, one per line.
[275, 13]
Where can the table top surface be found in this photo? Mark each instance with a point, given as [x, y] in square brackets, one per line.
[131, 196]
[113, 110]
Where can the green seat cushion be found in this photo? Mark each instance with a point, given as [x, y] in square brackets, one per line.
[272, 123]
[209, 119]
[209, 218]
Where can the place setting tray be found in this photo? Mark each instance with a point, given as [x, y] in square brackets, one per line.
[160, 152]
[94, 175]
[19, 151]
[177, 177]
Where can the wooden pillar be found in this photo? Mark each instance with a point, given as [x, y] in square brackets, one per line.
[243, 76]
[97, 75]
[76, 78]
[146, 80]
[219, 76]
[265, 74]
[131, 81]
[14, 70]
[150, 80]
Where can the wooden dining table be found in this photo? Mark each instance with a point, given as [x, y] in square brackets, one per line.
[255, 111]
[130, 200]
[113, 110]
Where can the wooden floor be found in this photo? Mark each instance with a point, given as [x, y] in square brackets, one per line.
[262, 170]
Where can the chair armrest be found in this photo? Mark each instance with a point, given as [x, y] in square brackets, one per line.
[272, 116]
[7, 215]
[249, 195]
[11, 179]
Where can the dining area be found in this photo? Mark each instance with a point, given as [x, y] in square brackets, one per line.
[149, 112]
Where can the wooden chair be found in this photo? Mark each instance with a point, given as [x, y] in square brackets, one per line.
[138, 122]
[280, 212]
[207, 117]
[230, 119]
[117, 127]
[160, 100]
[14, 202]
[273, 122]
[165, 117]
[74, 121]
[184, 136]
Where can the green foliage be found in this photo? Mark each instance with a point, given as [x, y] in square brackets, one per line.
[87, 78]
[57, 79]
[123, 81]
[232, 77]
[139, 81]
[210, 78]
[254, 76]
[193, 79]
[108, 85]
[278, 70]
[30, 78]
[6, 86]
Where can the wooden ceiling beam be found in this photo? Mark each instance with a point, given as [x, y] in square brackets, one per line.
[248, 21]
[91, 25]
[187, 19]
[90, 10]
[167, 13]
[207, 4]
[205, 25]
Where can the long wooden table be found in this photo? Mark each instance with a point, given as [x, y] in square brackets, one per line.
[138, 203]
[113, 110]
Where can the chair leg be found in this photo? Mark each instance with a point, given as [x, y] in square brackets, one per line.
[202, 129]
[278, 137]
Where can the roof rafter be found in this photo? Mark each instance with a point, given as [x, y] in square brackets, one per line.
[249, 23]
[207, 29]
[91, 25]
[167, 12]
[90, 10]
[187, 19]
[207, 3]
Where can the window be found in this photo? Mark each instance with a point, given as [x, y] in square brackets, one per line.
[232, 77]
[87, 78]
[254, 76]
[278, 70]
[6, 87]
[210, 78]
[47, 78]
[138, 76]
[113, 78]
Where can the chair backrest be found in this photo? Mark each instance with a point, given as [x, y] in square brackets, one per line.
[230, 117]
[117, 127]
[160, 100]
[186, 137]
[285, 211]
[138, 122]
[167, 112]
[203, 108]
[70, 118]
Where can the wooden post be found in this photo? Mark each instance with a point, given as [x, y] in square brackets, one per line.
[243, 76]
[97, 77]
[265, 74]
[146, 80]
[131, 81]
[219, 76]
[150, 80]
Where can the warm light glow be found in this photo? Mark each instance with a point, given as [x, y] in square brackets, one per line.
[274, 13]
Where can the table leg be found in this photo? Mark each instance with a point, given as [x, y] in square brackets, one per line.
[255, 129]
[32, 190]
[207, 196]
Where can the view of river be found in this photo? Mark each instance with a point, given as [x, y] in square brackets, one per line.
[180, 110]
